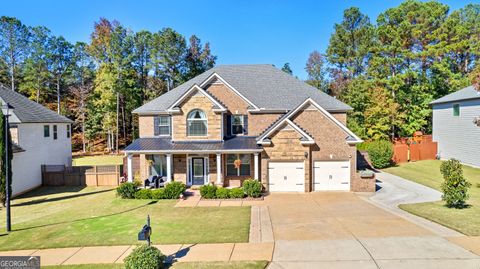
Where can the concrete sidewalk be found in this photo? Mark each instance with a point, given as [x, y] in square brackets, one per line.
[181, 253]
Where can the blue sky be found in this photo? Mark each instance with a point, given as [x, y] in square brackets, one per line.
[245, 31]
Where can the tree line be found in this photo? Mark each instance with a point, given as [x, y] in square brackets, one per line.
[389, 71]
[99, 83]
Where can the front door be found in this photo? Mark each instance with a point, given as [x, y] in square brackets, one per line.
[198, 171]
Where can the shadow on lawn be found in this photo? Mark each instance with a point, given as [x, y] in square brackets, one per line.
[60, 198]
[90, 218]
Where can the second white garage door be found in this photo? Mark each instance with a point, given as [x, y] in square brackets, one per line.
[331, 176]
[286, 176]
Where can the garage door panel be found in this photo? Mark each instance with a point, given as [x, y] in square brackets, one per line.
[286, 176]
[331, 175]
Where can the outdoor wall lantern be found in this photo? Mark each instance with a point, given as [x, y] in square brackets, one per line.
[145, 232]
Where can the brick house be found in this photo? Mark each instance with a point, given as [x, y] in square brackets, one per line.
[235, 122]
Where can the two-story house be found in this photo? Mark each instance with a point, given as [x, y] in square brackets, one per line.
[40, 136]
[235, 122]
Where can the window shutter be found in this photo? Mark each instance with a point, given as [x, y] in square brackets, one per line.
[245, 124]
[229, 126]
[156, 123]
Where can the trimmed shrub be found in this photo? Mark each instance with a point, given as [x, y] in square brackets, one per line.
[173, 190]
[222, 193]
[380, 153]
[237, 193]
[455, 187]
[127, 190]
[208, 191]
[143, 194]
[145, 257]
[252, 188]
[158, 194]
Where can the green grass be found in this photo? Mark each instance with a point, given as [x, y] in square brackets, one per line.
[72, 216]
[465, 220]
[179, 265]
[98, 160]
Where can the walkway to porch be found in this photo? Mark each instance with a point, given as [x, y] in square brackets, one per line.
[195, 200]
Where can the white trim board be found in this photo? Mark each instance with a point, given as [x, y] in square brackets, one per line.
[322, 110]
[195, 87]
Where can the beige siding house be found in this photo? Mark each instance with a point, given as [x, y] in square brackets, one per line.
[235, 122]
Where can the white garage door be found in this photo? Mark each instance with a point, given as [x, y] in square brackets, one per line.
[331, 176]
[286, 176]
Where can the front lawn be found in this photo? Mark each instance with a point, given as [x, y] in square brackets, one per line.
[98, 160]
[178, 265]
[466, 220]
[74, 216]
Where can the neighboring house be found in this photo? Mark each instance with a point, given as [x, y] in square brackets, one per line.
[235, 122]
[456, 126]
[40, 136]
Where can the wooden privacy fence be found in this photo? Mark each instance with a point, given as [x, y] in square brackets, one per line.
[414, 149]
[96, 175]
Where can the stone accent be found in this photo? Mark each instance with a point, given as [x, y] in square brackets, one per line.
[285, 146]
[179, 120]
[145, 126]
[232, 101]
[143, 168]
[258, 123]
[180, 168]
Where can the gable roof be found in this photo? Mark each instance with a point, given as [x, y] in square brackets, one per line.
[217, 106]
[467, 93]
[28, 111]
[351, 138]
[264, 86]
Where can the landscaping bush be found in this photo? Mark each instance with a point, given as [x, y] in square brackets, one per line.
[173, 190]
[143, 194]
[222, 193]
[380, 153]
[158, 194]
[237, 193]
[252, 188]
[455, 187]
[145, 257]
[127, 190]
[208, 191]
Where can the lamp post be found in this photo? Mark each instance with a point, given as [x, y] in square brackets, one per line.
[6, 108]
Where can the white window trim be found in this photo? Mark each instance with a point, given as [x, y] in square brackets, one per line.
[169, 124]
[238, 169]
[231, 124]
[206, 121]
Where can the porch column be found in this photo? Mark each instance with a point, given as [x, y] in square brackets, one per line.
[219, 168]
[129, 168]
[169, 167]
[255, 160]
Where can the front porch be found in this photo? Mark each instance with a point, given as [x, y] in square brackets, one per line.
[224, 163]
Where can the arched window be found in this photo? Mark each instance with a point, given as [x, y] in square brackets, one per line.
[197, 123]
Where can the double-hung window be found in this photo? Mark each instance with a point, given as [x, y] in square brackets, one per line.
[46, 130]
[55, 133]
[68, 130]
[241, 168]
[238, 125]
[162, 125]
[197, 123]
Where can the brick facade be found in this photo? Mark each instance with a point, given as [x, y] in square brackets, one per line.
[145, 126]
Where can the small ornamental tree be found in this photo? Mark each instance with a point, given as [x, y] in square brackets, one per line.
[3, 160]
[455, 187]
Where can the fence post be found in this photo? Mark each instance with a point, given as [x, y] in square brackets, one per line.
[96, 175]
[117, 173]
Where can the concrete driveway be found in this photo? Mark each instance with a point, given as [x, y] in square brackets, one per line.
[343, 230]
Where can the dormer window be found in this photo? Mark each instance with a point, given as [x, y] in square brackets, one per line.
[196, 123]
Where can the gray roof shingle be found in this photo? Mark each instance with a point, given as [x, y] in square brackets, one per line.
[28, 111]
[463, 94]
[245, 143]
[264, 85]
